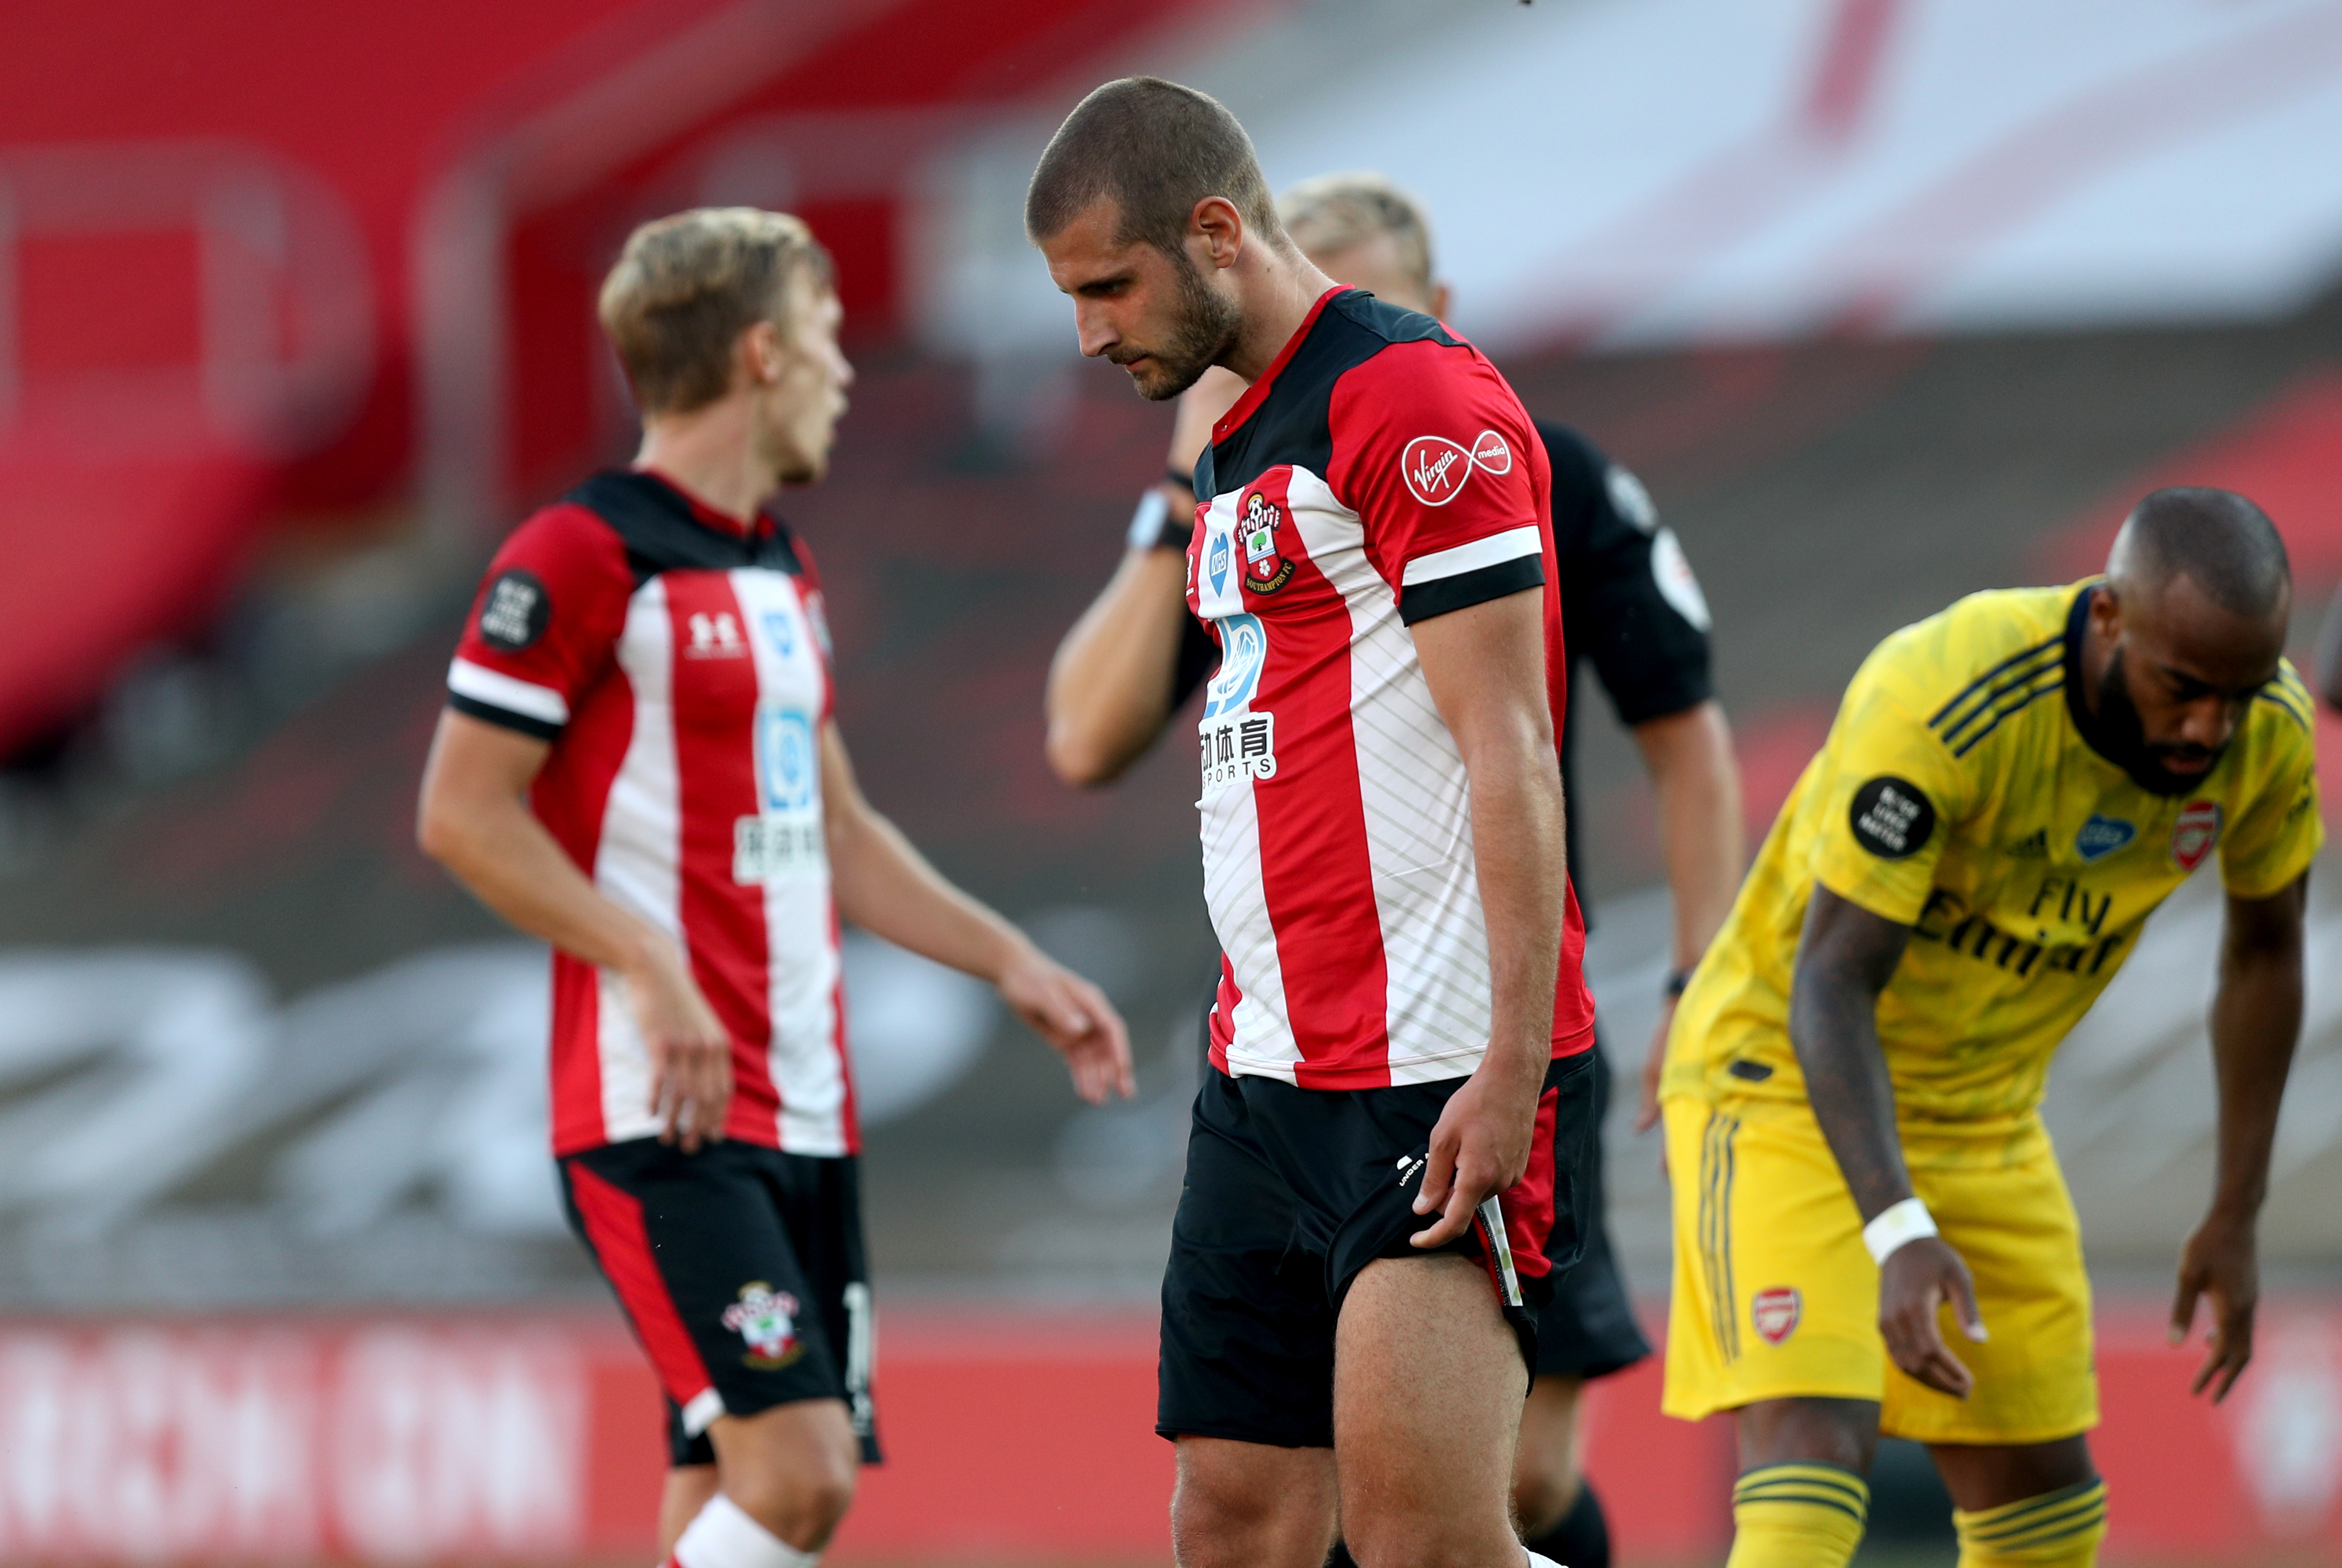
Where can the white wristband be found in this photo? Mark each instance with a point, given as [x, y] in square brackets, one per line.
[1895, 1225]
[1146, 522]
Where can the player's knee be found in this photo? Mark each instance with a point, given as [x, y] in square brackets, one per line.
[803, 1501]
[2058, 1529]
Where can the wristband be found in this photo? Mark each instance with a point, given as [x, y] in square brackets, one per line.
[1146, 522]
[1895, 1225]
[1184, 478]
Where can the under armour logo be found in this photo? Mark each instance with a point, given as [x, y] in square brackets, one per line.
[715, 636]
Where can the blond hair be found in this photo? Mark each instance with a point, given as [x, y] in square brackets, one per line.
[687, 286]
[1326, 214]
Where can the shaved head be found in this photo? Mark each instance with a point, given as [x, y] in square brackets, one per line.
[2189, 624]
[2216, 539]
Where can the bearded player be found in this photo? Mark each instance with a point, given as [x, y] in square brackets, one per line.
[1630, 607]
[1349, 1309]
[1854, 1083]
[640, 763]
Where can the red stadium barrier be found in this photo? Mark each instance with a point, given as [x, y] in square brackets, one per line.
[534, 1438]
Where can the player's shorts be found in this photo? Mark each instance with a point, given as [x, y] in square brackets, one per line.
[741, 1271]
[1589, 1329]
[1776, 1298]
[1289, 1192]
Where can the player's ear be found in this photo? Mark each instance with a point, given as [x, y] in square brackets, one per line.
[1439, 301]
[1220, 226]
[759, 354]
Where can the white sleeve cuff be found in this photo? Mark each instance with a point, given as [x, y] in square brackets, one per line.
[498, 690]
[1494, 551]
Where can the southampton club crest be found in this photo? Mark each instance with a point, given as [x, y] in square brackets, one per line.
[1265, 571]
[767, 1319]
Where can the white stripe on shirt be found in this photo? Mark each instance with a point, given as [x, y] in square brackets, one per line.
[1495, 549]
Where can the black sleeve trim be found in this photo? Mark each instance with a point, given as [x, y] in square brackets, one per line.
[488, 712]
[1443, 595]
[1682, 691]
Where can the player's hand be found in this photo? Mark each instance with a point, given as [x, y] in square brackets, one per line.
[1916, 1280]
[2220, 1261]
[1479, 1146]
[1655, 1059]
[690, 1050]
[1076, 1020]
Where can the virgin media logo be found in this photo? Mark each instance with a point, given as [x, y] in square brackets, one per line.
[1436, 468]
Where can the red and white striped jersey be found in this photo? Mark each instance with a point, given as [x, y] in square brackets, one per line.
[678, 660]
[1380, 472]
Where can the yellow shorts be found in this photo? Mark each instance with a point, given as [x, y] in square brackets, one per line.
[1776, 1298]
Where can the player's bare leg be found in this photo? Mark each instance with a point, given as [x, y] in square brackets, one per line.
[792, 1468]
[688, 1487]
[1252, 1505]
[1839, 1432]
[2037, 1503]
[1544, 1468]
[1428, 1387]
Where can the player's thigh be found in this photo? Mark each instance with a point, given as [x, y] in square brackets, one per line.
[1427, 1385]
[2012, 1223]
[1774, 1295]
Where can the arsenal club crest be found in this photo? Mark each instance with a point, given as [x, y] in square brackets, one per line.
[1776, 1312]
[1265, 571]
[2194, 833]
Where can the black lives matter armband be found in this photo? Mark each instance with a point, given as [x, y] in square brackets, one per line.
[1891, 817]
[513, 615]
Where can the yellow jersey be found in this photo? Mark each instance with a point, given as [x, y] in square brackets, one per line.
[1957, 795]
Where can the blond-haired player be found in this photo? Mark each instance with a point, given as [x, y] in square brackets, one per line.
[1854, 1081]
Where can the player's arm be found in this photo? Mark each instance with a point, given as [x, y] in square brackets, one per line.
[2256, 1021]
[1486, 667]
[1116, 676]
[1697, 783]
[1845, 959]
[473, 819]
[888, 888]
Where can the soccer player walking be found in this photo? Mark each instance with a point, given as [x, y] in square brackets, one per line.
[1401, 1025]
[1853, 1087]
[1628, 600]
[639, 763]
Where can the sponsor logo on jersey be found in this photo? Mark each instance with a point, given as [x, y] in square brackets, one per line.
[1891, 818]
[715, 636]
[1215, 562]
[1238, 747]
[2194, 833]
[1436, 468]
[767, 1320]
[1265, 571]
[2102, 835]
[515, 613]
[1775, 1313]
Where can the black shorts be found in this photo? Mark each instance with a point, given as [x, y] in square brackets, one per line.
[1289, 1192]
[1589, 1329]
[741, 1271]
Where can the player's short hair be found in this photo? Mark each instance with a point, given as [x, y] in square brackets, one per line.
[687, 286]
[1156, 148]
[2220, 539]
[1326, 214]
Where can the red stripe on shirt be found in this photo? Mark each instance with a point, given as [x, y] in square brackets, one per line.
[724, 926]
[570, 797]
[622, 1245]
[1314, 872]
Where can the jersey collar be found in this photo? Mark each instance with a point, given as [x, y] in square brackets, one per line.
[707, 516]
[1258, 392]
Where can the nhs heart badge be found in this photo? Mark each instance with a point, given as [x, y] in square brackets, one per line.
[1215, 562]
[2102, 835]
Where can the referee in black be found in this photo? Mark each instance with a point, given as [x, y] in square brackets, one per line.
[1630, 605]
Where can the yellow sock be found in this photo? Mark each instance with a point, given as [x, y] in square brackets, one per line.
[1797, 1516]
[2058, 1529]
